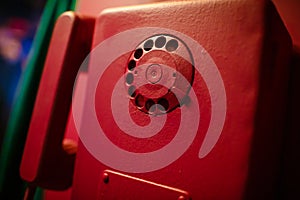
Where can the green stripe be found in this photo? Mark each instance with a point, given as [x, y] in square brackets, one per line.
[11, 185]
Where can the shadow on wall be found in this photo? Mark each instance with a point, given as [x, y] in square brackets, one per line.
[291, 166]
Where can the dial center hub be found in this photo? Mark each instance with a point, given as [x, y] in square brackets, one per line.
[154, 73]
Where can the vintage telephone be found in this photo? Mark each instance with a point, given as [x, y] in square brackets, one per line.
[182, 100]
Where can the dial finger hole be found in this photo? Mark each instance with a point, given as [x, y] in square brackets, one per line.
[131, 91]
[148, 45]
[160, 42]
[138, 53]
[139, 101]
[172, 45]
[150, 105]
[129, 78]
[131, 65]
[164, 104]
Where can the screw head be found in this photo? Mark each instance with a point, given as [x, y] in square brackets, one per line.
[105, 178]
[182, 198]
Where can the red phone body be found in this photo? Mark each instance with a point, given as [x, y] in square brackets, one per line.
[223, 104]
[251, 48]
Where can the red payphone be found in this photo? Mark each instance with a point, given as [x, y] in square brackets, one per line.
[183, 100]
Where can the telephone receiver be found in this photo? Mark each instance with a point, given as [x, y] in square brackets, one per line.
[157, 96]
[46, 161]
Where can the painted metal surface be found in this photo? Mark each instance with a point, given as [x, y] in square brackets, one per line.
[228, 134]
[250, 47]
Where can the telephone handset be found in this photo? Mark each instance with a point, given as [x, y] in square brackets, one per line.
[45, 162]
